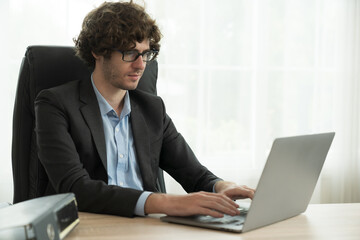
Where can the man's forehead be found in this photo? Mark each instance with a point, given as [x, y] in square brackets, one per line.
[144, 45]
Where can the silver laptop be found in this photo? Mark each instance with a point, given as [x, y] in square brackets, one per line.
[284, 189]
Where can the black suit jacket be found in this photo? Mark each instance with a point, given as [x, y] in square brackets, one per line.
[71, 147]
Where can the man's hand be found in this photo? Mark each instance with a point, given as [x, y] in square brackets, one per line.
[204, 203]
[234, 191]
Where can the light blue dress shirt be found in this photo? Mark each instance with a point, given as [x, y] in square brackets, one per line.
[122, 166]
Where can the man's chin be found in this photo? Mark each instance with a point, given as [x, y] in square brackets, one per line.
[134, 85]
[129, 86]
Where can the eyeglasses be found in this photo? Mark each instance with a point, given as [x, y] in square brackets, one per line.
[132, 55]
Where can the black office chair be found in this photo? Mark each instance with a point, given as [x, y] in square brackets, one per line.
[45, 67]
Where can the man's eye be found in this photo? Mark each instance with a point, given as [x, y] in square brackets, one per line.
[131, 53]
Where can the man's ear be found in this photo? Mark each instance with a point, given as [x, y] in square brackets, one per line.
[95, 56]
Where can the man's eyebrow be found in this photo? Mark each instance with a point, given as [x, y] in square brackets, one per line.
[145, 50]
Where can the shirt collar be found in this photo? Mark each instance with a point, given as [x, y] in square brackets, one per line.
[105, 107]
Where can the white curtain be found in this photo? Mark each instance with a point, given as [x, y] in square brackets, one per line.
[237, 74]
[234, 75]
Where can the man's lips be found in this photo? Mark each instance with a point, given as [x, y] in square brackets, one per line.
[135, 76]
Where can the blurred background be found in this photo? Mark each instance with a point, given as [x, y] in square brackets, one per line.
[234, 75]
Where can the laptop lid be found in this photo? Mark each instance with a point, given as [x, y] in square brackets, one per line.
[286, 184]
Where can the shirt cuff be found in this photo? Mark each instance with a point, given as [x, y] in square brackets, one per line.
[140, 205]
[213, 190]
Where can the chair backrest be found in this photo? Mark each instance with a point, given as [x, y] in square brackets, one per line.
[45, 67]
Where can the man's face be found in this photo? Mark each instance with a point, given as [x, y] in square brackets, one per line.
[121, 74]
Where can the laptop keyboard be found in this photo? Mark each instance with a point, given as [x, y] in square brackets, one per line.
[227, 219]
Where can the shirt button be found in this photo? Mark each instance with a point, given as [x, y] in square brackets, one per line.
[121, 155]
[117, 129]
[121, 184]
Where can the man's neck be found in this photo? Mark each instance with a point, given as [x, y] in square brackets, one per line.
[114, 96]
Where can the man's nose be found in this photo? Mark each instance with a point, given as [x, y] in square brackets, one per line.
[139, 63]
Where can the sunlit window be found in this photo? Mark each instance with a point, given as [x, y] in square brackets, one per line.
[234, 75]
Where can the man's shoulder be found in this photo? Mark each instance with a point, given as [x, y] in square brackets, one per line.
[70, 88]
[147, 102]
[66, 87]
[65, 92]
[143, 95]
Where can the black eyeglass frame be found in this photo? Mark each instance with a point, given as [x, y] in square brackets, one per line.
[155, 52]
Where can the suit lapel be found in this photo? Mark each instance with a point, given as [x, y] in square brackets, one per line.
[92, 116]
[142, 145]
[91, 113]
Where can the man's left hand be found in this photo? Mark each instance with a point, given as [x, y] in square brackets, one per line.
[233, 190]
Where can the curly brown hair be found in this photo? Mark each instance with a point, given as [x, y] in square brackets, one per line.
[115, 25]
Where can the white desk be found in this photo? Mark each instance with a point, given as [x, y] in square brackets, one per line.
[320, 221]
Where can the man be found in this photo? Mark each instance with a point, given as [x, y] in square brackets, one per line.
[104, 140]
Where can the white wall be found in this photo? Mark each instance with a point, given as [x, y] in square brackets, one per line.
[234, 75]
[25, 23]
[6, 104]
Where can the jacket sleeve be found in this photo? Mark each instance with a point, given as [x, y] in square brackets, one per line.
[180, 162]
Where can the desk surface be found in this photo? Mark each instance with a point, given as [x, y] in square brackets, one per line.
[320, 221]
